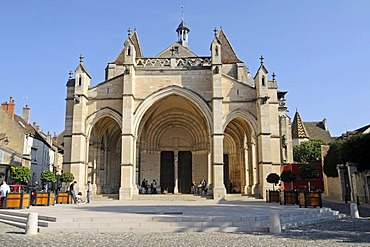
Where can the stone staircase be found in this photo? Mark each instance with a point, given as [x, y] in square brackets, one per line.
[104, 197]
[19, 219]
[167, 221]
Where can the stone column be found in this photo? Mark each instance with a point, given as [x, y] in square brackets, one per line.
[247, 170]
[176, 171]
[341, 168]
[352, 168]
[256, 182]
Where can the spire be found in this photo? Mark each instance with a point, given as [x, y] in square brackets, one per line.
[182, 31]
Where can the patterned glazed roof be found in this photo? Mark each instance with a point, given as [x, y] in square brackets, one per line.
[298, 129]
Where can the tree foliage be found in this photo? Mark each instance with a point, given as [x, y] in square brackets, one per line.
[288, 176]
[48, 176]
[21, 174]
[67, 177]
[273, 178]
[307, 172]
[355, 149]
[309, 151]
[333, 158]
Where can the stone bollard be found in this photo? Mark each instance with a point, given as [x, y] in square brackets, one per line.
[354, 211]
[274, 224]
[32, 223]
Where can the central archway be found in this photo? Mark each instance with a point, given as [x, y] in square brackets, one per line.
[173, 144]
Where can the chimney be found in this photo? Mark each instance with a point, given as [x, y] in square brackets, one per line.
[9, 107]
[55, 137]
[36, 126]
[325, 123]
[26, 114]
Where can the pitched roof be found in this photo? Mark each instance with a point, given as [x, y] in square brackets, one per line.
[317, 130]
[82, 67]
[228, 54]
[298, 129]
[363, 130]
[181, 52]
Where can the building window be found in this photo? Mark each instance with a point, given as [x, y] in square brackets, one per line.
[263, 81]
[129, 51]
[33, 155]
[79, 80]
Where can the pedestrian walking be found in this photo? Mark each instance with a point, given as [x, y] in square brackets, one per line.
[4, 191]
[72, 191]
[89, 190]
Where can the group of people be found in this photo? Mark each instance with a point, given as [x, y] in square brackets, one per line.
[145, 187]
[78, 198]
[201, 188]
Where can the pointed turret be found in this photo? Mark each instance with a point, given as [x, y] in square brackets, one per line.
[82, 81]
[128, 55]
[216, 49]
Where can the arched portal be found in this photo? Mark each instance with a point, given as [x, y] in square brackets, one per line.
[238, 156]
[173, 145]
[104, 156]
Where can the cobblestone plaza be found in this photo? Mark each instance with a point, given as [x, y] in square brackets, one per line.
[343, 232]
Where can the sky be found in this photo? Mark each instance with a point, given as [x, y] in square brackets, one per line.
[319, 50]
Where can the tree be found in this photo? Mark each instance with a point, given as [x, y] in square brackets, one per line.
[288, 177]
[21, 174]
[48, 176]
[309, 151]
[273, 179]
[307, 172]
[354, 149]
[67, 177]
[333, 158]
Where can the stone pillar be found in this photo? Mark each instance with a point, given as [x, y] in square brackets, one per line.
[247, 170]
[176, 171]
[256, 182]
[352, 168]
[341, 168]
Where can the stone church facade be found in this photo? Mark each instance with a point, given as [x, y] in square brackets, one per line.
[176, 118]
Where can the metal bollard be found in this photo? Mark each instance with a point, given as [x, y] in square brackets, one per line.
[354, 211]
[32, 223]
[274, 224]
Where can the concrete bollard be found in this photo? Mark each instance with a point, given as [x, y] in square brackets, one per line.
[32, 223]
[354, 211]
[274, 224]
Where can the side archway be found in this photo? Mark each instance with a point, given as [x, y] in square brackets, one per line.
[104, 130]
[239, 151]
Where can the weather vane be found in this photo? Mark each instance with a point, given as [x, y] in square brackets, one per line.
[182, 12]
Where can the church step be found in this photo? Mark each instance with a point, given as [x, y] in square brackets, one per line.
[104, 197]
[171, 197]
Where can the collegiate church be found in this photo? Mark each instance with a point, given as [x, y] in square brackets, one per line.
[176, 118]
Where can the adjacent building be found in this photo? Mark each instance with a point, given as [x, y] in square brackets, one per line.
[23, 144]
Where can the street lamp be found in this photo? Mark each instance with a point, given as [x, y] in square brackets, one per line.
[6, 141]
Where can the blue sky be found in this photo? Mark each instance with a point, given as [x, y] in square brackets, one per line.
[319, 50]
